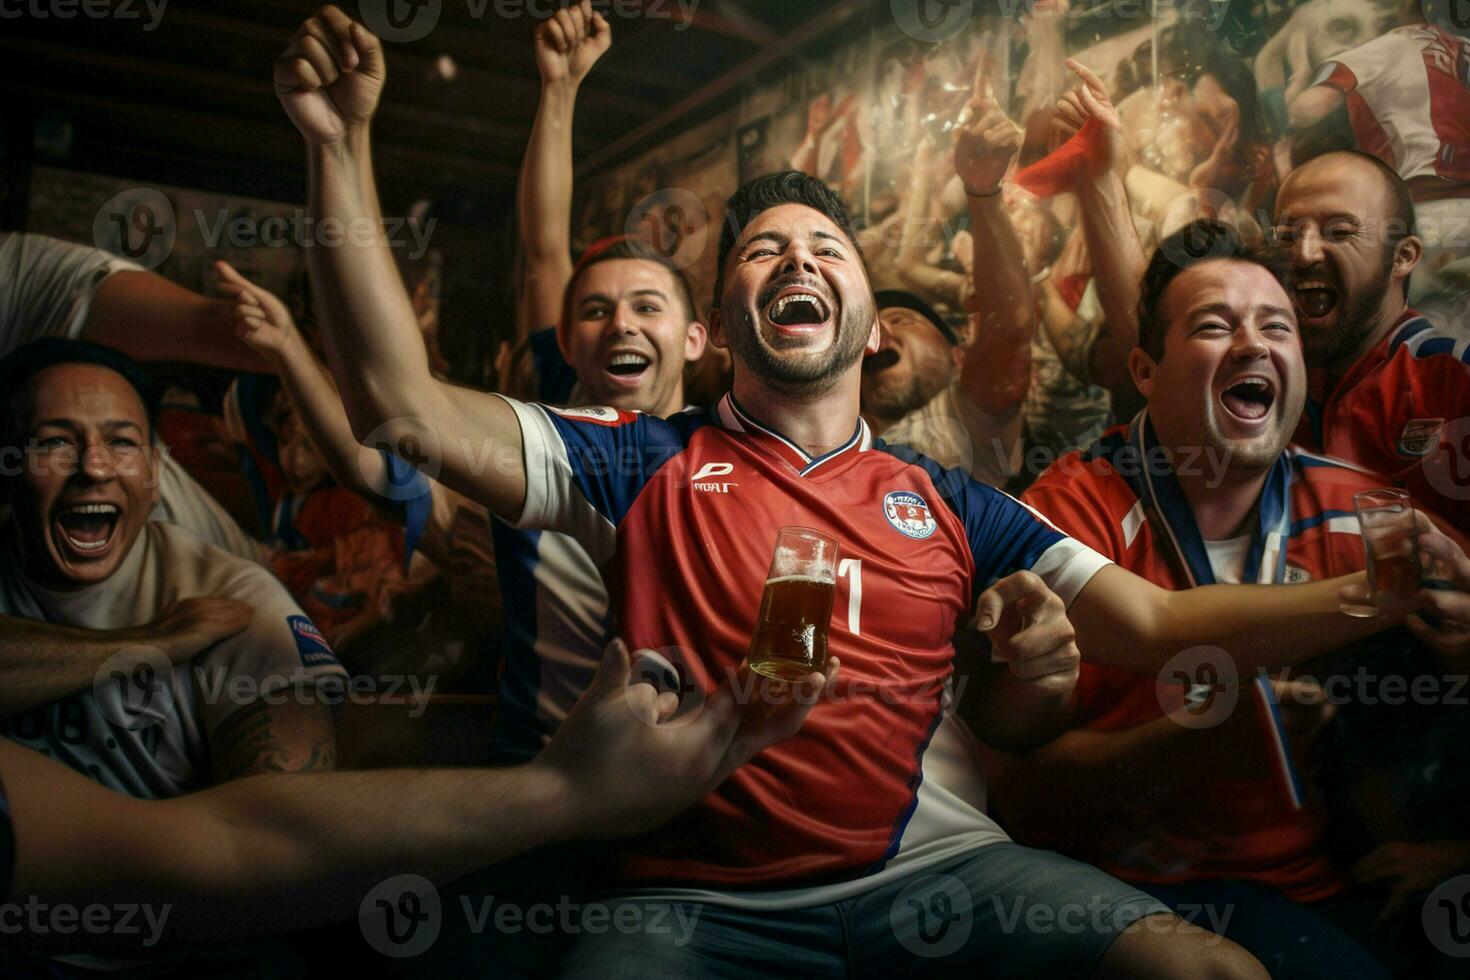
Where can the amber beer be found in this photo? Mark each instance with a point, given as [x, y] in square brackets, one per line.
[1390, 543]
[790, 639]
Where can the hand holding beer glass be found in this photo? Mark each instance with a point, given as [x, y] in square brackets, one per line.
[1391, 542]
[790, 638]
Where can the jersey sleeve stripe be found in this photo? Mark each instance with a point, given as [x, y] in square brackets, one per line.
[1067, 566]
[554, 499]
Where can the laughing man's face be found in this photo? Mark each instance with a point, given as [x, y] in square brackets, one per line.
[796, 308]
[87, 476]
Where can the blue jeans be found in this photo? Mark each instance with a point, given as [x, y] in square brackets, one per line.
[998, 911]
[1290, 939]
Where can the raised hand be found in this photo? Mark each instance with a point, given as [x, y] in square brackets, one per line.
[1028, 628]
[986, 141]
[1442, 608]
[626, 769]
[1221, 170]
[330, 76]
[1090, 100]
[262, 321]
[570, 42]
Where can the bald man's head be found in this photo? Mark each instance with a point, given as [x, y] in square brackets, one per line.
[1348, 221]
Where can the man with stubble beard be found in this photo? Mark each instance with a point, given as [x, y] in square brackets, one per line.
[1389, 389]
[1200, 488]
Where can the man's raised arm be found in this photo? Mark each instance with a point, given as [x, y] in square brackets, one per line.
[1112, 241]
[997, 371]
[329, 80]
[567, 46]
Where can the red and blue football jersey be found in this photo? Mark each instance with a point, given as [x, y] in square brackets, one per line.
[1119, 498]
[682, 514]
[1403, 410]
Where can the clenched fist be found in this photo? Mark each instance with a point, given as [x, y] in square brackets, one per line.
[330, 76]
[570, 42]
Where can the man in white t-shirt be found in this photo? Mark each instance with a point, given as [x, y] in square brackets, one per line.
[158, 718]
[51, 288]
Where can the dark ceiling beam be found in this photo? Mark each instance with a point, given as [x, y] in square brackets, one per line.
[248, 137]
[514, 95]
[788, 46]
[24, 52]
[475, 42]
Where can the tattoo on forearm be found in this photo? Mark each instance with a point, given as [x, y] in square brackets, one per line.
[274, 738]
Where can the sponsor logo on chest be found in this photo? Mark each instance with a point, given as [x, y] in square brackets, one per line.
[909, 514]
[706, 478]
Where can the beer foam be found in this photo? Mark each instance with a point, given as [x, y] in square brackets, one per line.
[823, 576]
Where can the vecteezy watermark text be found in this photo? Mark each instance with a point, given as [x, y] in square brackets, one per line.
[91, 9]
[39, 918]
[402, 917]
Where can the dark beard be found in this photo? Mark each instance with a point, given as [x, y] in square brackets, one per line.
[895, 400]
[1356, 320]
[806, 377]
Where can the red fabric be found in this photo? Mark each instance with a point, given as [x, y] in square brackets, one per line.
[1071, 288]
[1220, 829]
[1057, 171]
[1401, 410]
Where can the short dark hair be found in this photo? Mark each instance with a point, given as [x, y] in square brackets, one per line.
[1204, 240]
[24, 363]
[774, 190]
[625, 247]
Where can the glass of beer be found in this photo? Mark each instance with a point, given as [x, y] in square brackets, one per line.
[791, 636]
[1391, 543]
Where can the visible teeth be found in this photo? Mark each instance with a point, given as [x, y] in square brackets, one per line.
[786, 301]
[92, 509]
[1314, 284]
[87, 545]
[618, 360]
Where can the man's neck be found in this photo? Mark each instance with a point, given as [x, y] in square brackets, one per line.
[1223, 505]
[881, 422]
[1384, 320]
[818, 424]
[673, 404]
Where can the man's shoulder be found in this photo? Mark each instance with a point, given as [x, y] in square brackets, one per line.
[1418, 338]
[195, 567]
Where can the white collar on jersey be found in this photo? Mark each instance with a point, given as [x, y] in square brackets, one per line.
[731, 416]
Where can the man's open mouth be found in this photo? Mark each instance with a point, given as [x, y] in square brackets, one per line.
[1249, 399]
[88, 528]
[628, 365]
[881, 361]
[797, 307]
[1315, 298]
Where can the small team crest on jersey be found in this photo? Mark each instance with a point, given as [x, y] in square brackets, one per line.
[1295, 575]
[591, 413]
[311, 646]
[1420, 437]
[908, 512]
